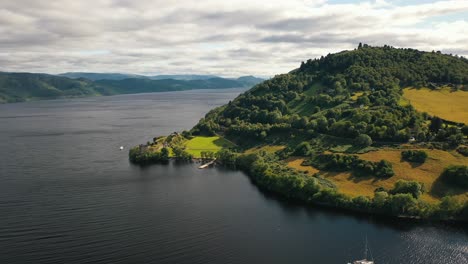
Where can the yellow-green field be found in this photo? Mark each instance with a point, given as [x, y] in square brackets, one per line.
[443, 103]
[427, 173]
[196, 145]
[356, 95]
[295, 162]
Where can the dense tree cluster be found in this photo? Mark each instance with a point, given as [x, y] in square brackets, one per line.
[317, 99]
[381, 67]
[418, 156]
[359, 167]
[141, 155]
[410, 187]
[456, 175]
[463, 150]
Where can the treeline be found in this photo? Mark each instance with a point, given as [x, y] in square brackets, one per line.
[382, 67]
[403, 200]
[418, 156]
[456, 175]
[145, 155]
[142, 155]
[359, 167]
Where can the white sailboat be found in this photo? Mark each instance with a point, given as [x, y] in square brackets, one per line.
[365, 260]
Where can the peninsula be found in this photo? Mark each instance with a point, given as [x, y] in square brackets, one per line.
[379, 130]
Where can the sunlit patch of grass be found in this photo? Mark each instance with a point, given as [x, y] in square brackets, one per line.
[196, 145]
[427, 173]
[356, 95]
[445, 103]
[295, 162]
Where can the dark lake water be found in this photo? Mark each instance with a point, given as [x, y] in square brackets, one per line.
[68, 195]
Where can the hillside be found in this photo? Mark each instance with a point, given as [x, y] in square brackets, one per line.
[446, 103]
[333, 111]
[99, 76]
[17, 87]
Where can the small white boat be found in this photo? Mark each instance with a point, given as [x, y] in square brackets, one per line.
[365, 260]
[121, 147]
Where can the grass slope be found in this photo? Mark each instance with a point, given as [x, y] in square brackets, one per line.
[196, 145]
[447, 104]
[427, 173]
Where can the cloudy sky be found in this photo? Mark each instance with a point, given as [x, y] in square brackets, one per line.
[224, 37]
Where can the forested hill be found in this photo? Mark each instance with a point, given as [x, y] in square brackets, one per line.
[358, 130]
[17, 87]
[385, 67]
[345, 95]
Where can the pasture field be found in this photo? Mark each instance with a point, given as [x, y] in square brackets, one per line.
[444, 103]
[427, 173]
[196, 145]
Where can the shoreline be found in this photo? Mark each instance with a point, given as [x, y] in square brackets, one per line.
[323, 205]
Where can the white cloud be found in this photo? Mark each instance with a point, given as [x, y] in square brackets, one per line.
[228, 38]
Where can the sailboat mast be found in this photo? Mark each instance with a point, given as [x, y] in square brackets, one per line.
[365, 250]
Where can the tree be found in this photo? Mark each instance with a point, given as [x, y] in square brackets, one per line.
[363, 140]
[464, 130]
[363, 100]
[449, 206]
[436, 124]
[401, 203]
[303, 149]
[456, 175]
[411, 187]
[164, 154]
[418, 156]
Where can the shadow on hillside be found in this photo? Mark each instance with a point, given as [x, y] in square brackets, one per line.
[358, 178]
[221, 142]
[440, 189]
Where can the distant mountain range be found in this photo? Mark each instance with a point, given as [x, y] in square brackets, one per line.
[17, 87]
[120, 76]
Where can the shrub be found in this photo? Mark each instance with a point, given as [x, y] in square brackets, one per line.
[463, 150]
[384, 169]
[418, 156]
[363, 140]
[303, 149]
[411, 187]
[456, 175]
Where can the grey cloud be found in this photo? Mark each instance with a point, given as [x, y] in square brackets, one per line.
[246, 37]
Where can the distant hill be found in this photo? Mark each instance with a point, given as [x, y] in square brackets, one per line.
[186, 77]
[17, 87]
[100, 76]
[251, 80]
[94, 76]
[137, 85]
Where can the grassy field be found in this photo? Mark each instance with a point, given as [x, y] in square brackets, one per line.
[295, 162]
[427, 173]
[196, 145]
[444, 103]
